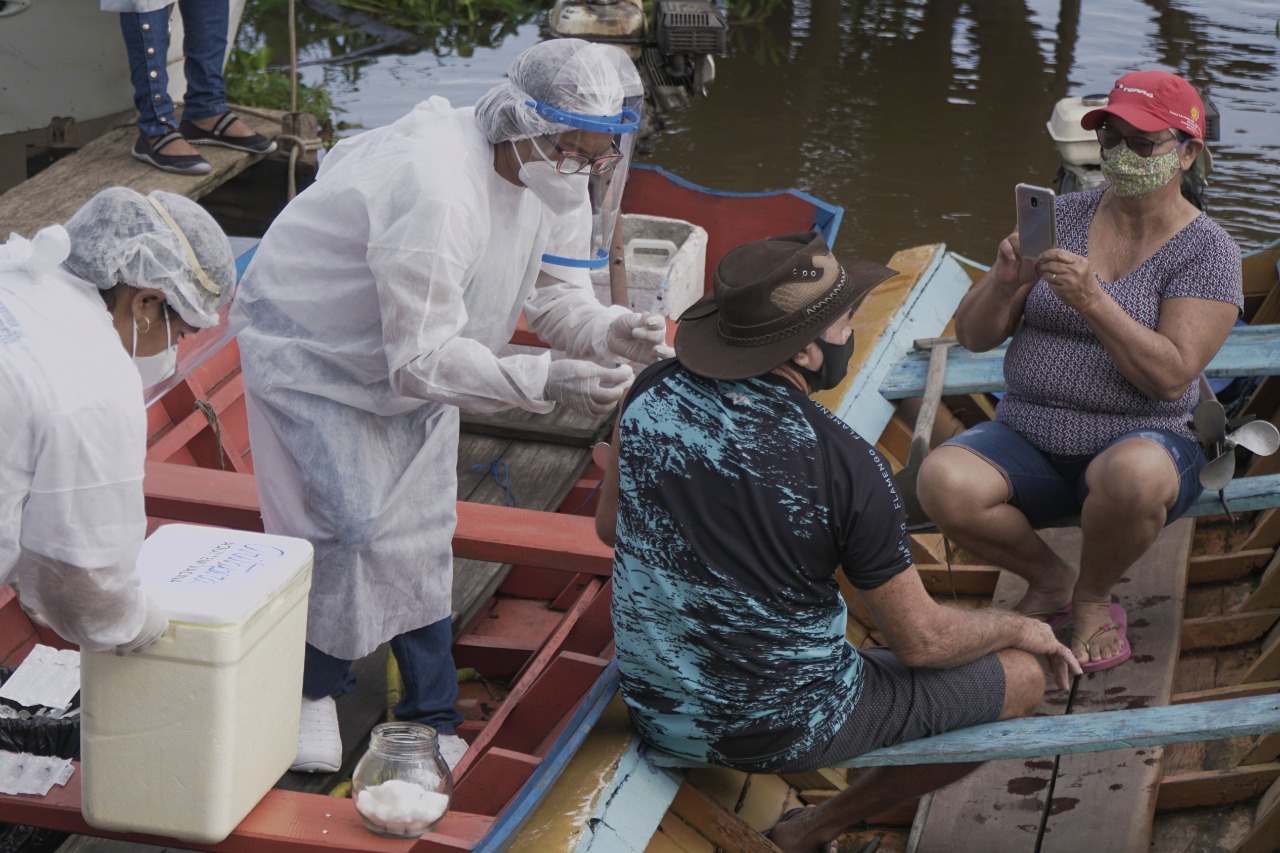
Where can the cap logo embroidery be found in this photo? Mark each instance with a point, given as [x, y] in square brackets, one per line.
[1135, 90]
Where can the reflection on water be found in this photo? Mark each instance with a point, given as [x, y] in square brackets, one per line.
[919, 116]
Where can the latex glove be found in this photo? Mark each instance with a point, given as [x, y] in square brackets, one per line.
[154, 627]
[586, 387]
[639, 337]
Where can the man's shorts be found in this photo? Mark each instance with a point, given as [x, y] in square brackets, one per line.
[1051, 486]
[898, 703]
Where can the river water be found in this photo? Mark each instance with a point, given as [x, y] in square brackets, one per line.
[917, 116]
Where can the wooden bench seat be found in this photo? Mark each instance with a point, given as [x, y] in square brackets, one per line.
[1036, 737]
[498, 534]
[1248, 351]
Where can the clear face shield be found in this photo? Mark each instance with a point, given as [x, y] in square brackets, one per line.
[599, 151]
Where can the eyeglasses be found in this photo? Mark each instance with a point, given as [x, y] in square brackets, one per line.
[1140, 145]
[573, 162]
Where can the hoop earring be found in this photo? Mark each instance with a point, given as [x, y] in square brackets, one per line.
[147, 329]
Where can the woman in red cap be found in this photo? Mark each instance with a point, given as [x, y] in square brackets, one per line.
[1110, 332]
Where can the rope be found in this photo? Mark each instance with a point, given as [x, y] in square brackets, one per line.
[594, 490]
[212, 417]
[297, 146]
[501, 477]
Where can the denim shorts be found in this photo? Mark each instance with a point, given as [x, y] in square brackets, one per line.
[1050, 486]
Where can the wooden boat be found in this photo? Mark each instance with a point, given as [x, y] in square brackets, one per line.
[531, 581]
[1204, 616]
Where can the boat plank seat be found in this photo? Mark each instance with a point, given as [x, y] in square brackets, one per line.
[1248, 351]
[499, 534]
[55, 194]
[1070, 734]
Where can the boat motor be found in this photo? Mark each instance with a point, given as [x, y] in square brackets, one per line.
[1082, 156]
[673, 52]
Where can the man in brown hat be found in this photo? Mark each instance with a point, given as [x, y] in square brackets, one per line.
[737, 498]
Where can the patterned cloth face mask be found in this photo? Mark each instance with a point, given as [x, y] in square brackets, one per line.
[1134, 176]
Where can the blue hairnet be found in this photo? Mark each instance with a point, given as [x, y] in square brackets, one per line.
[572, 75]
[118, 236]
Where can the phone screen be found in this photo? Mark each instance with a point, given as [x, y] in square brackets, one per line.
[1037, 226]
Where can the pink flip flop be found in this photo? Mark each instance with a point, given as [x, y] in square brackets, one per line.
[1120, 624]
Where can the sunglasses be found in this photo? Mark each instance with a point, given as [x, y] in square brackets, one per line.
[1140, 145]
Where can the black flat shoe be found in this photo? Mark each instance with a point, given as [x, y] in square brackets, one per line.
[180, 164]
[255, 143]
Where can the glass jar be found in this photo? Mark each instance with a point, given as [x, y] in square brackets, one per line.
[402, 786]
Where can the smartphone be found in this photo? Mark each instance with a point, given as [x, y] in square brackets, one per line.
[1037, 225]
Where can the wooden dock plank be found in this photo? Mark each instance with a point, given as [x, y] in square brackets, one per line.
[55, 194]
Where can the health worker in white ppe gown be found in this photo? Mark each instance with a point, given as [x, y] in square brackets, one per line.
[90, 312]
[379, 304]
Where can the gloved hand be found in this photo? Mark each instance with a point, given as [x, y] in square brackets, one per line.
[639, 337]
[154, 627]
[587, 388]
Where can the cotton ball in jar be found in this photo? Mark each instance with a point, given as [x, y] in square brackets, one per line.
[403, 808]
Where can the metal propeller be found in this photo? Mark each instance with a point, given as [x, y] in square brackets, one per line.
[1210, 419]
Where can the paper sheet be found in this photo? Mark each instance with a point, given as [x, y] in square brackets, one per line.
[48, 677]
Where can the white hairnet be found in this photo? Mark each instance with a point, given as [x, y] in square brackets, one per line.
[119, 236]
[570, 74]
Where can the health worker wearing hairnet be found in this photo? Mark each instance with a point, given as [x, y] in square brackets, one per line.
[90, 313]
[380, 303]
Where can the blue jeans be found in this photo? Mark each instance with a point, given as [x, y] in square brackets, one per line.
[1050, 486]
[426, 668]
[146, 38]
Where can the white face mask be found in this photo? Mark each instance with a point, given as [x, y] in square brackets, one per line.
[154, 369]
[561, 193]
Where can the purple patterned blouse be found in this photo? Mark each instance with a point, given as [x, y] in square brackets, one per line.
[1064, 393]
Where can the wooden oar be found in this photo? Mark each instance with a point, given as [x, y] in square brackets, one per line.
[906, 478]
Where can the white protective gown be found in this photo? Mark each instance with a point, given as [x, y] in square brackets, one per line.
[72, 443]
[374, 308]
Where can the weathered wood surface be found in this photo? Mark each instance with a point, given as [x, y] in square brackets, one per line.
[1249, 351]
[1006, 805]
[52, 196]
[1070, 734]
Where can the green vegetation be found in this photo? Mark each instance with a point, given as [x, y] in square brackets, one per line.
[250, 81]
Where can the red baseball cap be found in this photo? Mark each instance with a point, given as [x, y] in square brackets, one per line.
[1151, 101]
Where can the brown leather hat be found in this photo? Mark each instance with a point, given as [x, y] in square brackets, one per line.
[770, 298]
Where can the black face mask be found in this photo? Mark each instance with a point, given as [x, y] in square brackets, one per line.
[835, 365]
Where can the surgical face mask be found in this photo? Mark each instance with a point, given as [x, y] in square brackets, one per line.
[154, 369]
[1132, 176]
[835, 365]
[560, 193]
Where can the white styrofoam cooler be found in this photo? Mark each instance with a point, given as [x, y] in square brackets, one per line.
[666, 264]
[184, 738]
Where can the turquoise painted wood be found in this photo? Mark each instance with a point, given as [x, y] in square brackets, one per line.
[1032, 737]
[924, 314]
[1243, 495]
[630, 810]
[1249, 351]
